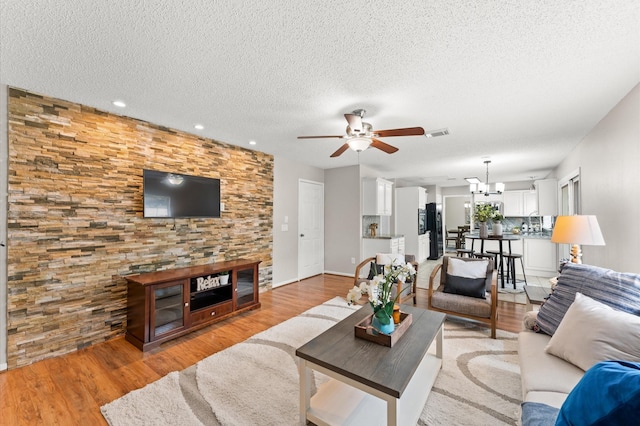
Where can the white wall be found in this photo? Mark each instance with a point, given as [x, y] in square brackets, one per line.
[286, 175]
[454, 213]
[342, 219]
[609, 161]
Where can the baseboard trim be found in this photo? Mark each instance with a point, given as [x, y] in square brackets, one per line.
[273, 285]
[342, 274]
[3, 366]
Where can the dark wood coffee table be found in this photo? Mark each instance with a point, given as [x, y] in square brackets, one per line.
[371, 383]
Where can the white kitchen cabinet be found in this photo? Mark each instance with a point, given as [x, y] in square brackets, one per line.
[423, 248]
[406, 218]
[488, 198]
[530, 203]
[377, 197]
[540, 257]
[513, 203]
[547, 197]
[397, 245]
[422, 198]
[520, 203]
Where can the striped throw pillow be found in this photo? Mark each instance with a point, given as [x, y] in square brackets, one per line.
[620, 290]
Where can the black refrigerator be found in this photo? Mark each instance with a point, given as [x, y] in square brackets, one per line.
[434, 226]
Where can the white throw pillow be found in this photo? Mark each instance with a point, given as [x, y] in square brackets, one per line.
[467, 269]
[591, 332]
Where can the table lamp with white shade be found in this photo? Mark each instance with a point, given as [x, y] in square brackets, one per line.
[577, 230]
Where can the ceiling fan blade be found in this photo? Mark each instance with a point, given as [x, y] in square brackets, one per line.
[377, 143]
[340, 150]
[319, 137]
[408, 131]
[355, 122]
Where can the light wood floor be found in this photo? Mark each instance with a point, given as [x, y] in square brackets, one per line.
[70, 389]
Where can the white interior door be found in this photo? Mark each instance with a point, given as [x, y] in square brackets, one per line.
[310, 229]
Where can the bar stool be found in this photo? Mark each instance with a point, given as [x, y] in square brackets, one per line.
[511, 267]
[487, 255]
[495, 253]
[497, 264]
[463, 252]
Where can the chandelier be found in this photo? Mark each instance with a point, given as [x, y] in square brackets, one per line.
[478, 187]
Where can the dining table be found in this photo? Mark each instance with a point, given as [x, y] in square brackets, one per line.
[500, 239]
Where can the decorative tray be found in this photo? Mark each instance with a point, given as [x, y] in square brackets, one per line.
[364, 330]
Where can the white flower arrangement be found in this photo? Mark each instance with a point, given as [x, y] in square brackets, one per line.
[380, 289]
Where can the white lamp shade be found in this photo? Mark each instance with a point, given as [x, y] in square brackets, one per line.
[578, 229]
[499, 187]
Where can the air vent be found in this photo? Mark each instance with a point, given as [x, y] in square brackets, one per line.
[436, 133]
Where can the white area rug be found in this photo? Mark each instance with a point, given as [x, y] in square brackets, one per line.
[508, 287]
[256, 381]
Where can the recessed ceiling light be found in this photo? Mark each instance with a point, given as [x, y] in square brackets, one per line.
[252, 142]
[199, 126]
[120, 104]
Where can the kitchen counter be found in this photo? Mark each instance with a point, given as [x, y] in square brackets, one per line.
[536, 235]
[384, 243]
[524, 235]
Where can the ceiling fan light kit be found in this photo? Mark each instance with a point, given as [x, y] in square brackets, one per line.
[359, 144]
[360, 135]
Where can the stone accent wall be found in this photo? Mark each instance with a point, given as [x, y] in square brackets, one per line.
[75, 224]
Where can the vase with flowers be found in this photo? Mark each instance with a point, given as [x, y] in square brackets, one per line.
[497, 219]
[380, 292]
[482, 214]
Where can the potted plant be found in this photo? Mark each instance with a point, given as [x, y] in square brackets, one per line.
[380, 290]
[497, 219]
[482, 214]
[223, 277]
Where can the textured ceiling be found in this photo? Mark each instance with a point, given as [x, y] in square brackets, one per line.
[519, 82]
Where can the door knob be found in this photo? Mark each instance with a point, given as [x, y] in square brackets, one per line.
[302, 235]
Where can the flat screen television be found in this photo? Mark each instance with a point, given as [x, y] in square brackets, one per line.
[167, 194]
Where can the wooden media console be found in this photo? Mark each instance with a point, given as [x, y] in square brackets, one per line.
[164, 305]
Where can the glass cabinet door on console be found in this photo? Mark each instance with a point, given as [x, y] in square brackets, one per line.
[246, 288]
[168, 303]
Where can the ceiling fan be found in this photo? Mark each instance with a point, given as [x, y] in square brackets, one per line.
[360, 135]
